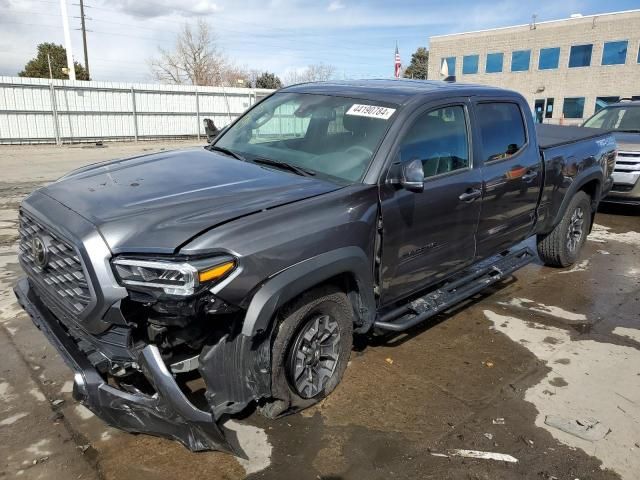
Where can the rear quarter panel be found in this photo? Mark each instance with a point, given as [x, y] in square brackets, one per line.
[568, 168]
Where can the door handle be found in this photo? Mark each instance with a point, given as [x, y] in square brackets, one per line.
[530, 176]
[470, 195]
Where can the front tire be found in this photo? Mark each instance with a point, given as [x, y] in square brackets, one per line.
[311, 349]
[561, 247]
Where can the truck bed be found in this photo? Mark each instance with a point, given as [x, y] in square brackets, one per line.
[550, 136]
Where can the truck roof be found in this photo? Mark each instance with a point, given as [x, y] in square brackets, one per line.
[400, 91]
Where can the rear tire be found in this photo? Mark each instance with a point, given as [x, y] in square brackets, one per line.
[561, 247]
[311, 349]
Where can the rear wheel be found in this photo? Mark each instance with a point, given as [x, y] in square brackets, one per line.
[561, 247]
[311, 349]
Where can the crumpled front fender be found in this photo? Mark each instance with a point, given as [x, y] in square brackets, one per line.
[167, 413]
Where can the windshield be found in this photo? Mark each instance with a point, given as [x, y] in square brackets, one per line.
[332, 137]
[623, 118]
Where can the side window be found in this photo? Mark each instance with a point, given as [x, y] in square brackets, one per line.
[501, 129]
[439, 139]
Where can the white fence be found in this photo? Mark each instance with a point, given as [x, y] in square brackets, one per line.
[34, 110]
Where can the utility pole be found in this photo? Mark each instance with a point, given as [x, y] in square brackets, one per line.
[67, 39]
[84, 39]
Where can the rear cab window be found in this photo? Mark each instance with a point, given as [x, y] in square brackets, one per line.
[502, 130]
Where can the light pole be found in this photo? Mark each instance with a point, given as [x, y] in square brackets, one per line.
[67, 39]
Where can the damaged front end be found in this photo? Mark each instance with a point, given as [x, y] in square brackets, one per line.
[153, 349]
[142, 395]
[173, 369]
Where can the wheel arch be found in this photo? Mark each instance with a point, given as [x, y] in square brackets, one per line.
[348, 267]
[590, 184]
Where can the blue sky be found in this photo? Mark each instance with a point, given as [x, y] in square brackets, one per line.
[358, 37]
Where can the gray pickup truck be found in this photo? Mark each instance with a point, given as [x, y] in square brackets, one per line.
[328, 209]
[623, 120]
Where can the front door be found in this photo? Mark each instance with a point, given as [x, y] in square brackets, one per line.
[539, 110]
[428, 235]
[512, 175]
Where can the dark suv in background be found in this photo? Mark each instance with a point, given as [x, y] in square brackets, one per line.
[623, 118]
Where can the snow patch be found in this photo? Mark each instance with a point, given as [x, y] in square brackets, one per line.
[534, 306]
[578, 267]
[67, 387]
[632, 333]
[5, 392]
[600, 385]
[13, 419]
[37, 449]
[255, 443]
[83, 412]
[602, 234]
[37, 394]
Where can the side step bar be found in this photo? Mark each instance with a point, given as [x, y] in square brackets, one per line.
[470, 282]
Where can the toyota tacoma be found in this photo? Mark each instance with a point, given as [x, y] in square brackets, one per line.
[185, 287]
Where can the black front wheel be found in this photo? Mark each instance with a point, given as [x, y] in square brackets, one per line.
[314, 355]
[311, 349]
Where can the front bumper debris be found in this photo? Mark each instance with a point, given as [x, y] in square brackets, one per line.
[168, 413]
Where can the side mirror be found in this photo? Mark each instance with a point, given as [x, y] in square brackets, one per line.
[413, 176]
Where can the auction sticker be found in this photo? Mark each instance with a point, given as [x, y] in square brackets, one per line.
[371, 111]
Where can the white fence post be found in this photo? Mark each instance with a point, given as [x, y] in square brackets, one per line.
[54, 111]
[197, 113]
[135, 115]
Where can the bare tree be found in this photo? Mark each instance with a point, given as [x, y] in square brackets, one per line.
[318, 72]
[235, 76]
[195, 59]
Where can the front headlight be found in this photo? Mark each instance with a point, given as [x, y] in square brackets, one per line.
[174, 278]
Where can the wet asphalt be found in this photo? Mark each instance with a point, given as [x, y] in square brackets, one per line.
[461, 381]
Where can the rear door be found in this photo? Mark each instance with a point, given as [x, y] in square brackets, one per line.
[428, 235]
[511, 173]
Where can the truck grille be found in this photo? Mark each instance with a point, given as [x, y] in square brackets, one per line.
[627, 169]
[62, 278]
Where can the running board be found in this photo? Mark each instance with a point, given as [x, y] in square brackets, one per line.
[463, 286]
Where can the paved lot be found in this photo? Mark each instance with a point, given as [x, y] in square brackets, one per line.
[561, 345]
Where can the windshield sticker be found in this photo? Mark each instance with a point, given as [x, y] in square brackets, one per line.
[371, 111]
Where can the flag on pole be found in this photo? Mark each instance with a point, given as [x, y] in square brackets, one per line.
[398, 63]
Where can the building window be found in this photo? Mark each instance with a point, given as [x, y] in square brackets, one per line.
[451, 65]
[638, 54]
[614, 53]
[573, 107]
[470, 64]
[549, 58]
[520, 60]
[602, 102]
[494, 62]
[580, 56]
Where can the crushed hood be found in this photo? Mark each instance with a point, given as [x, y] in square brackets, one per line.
[155, 203]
